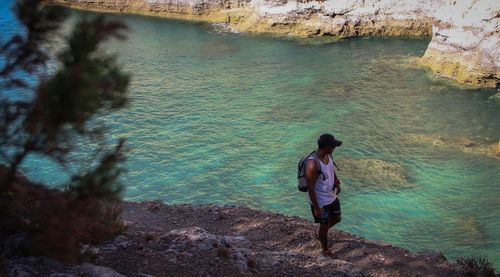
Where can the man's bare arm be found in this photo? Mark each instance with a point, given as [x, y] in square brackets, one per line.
[311, 176]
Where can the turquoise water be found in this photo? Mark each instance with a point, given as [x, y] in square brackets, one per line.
[223, 118]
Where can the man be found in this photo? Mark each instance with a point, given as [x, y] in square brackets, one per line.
[323, 187]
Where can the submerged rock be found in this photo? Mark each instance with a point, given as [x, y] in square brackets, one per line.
[466, 145]
[375, 174]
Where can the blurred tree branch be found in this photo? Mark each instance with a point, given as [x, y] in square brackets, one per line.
[49, 114]
[64, 105]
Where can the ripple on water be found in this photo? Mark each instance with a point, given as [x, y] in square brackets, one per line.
[217, 47]
[223, 118]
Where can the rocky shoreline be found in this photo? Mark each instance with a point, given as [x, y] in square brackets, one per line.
[209, 240]
[465, 35]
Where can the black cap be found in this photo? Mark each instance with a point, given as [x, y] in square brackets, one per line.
[328, 140]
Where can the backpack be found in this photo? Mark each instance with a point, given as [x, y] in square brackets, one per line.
[301, 170]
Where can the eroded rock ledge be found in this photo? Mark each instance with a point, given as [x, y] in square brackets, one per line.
[208, 240]
[465, 44]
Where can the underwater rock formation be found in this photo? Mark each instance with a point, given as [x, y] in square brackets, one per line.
[466, 145]
[374, 174]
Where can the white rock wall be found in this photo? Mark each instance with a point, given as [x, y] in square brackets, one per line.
[465, 33]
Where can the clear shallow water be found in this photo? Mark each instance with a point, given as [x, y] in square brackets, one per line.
[223, 118]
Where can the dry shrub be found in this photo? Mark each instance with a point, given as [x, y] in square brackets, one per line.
[476, 267]
[58, 222]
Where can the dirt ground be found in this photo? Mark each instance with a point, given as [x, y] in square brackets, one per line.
[276, 245]
[209, 240]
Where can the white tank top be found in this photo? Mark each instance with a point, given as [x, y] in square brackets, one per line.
[324, 186]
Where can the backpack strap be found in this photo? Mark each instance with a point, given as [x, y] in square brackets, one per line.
[316, 159]
[314, 155]
[301, 167]
[334, 164]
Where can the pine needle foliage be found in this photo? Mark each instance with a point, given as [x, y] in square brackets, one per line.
[476, 266]
[45, 113]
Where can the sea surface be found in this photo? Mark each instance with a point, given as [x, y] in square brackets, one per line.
[220, 117]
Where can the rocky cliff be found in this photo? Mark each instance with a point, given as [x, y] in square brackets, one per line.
[208, 240]
[465, 44]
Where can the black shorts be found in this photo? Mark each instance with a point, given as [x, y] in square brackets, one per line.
[329, 210]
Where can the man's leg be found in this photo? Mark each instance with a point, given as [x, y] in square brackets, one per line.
[335, 213]
[334, 219]
[323, 236]
[323, 231]
[324, 221]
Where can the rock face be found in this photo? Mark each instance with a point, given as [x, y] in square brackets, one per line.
[236, 250]
[465, 44]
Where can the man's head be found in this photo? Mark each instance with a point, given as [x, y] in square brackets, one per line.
[327, 141]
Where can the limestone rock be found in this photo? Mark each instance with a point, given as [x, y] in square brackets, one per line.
[97, 271]
[264, 244]
[237, 251]
[233, 249]
[40, 266]
[465, 44]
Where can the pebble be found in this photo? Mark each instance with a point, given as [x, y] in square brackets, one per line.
[172, 261]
